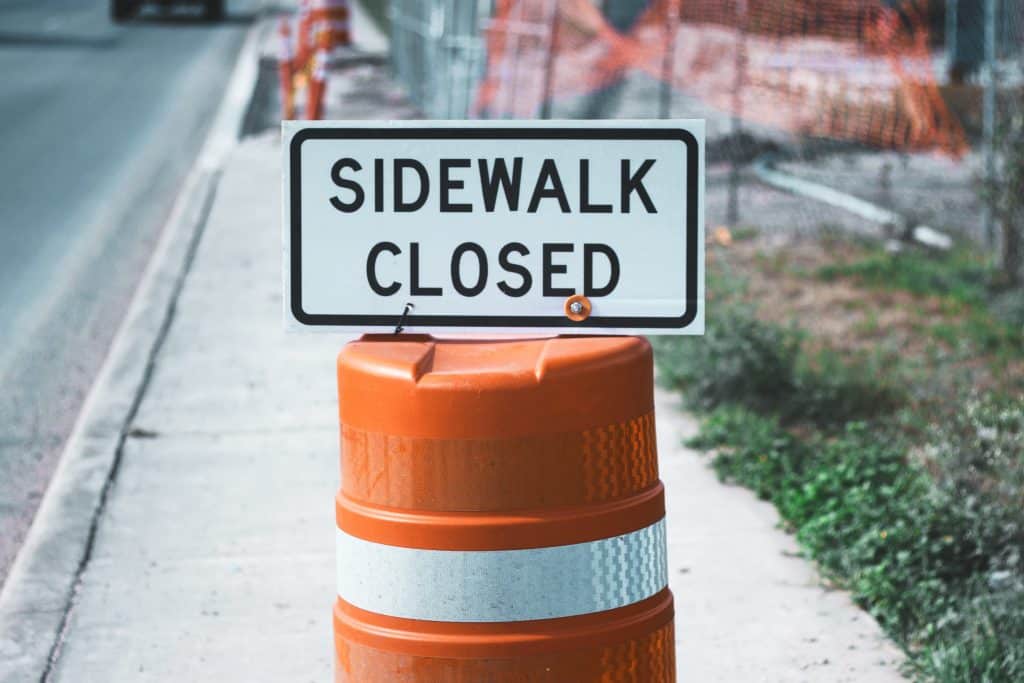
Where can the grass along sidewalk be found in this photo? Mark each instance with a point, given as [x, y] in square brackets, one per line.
[875, 399]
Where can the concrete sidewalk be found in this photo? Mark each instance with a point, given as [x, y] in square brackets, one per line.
[213, 559]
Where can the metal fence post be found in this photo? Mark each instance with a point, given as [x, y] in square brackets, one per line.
[512, 44]
[989, 122]
[438, 66]
[668, 62]
[952, 10]
[550, 59]
[733, 208]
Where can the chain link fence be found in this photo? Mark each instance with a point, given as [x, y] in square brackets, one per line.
[984, 51]
[899, 101]
[439, 52]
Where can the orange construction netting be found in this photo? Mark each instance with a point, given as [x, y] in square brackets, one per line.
[859, 70]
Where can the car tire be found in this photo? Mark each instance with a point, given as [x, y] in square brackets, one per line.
[122, 10]
[214, 10]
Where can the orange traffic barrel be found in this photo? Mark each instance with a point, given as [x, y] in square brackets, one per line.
[500, 516]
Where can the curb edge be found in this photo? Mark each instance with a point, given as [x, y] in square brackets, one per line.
[37, 598]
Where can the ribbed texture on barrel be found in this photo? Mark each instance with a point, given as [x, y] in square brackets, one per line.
[595, 465]
[649, 658]
[500, 517]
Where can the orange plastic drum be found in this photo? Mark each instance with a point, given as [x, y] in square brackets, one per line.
[500, 516]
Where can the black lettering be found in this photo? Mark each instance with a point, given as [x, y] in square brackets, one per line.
[550, 269]
[481, 280]
[356, 188]
[635, 183]
[548, 171]
[371, 269]
[378, 185]
[414, 274]
[448, 184]
[588, 270]
[510, 186]
[515, 268]
[585, 205]
[402, 206]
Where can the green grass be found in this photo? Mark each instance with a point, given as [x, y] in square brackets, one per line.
[960, 275]
[918, 555]
[742, 360]
[910, 496]
[982, 643]
[744, 233]
[964, 282]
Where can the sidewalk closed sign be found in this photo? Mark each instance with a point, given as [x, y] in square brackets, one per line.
[512, 226]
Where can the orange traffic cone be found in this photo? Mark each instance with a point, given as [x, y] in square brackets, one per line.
[331, 18]
[304, 35]
[316, 87]
[500, 517]
[286, 69]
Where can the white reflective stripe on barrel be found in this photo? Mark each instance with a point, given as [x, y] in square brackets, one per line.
[502, 585]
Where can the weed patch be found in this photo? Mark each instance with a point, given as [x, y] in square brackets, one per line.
[923, 559]
[740, 359]
[961, 275]
[745, 361]
[900, 471]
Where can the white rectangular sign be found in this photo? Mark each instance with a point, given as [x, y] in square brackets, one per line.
[495, 225]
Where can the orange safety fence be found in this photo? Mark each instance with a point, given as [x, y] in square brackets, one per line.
[858, 70]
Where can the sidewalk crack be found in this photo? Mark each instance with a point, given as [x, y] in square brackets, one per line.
[209, 181]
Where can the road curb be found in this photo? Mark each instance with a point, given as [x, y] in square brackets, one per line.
[38, 596]
[766, 172]
[893, 223]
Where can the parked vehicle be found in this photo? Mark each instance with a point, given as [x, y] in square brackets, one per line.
[122, 10]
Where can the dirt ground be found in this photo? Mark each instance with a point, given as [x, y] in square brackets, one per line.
[779, 275]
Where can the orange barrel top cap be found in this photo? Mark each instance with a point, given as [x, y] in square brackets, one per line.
[500, 516]
[453, 388]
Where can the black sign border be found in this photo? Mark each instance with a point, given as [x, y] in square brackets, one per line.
[547, 321]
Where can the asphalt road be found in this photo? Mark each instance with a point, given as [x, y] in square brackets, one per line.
[99, 125]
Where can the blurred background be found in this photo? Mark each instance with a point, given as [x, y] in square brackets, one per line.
[864, 362]
[925, 87]
[863, 367]
[104, 105]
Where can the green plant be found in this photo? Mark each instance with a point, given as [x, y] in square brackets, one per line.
[896, 476]
[960, 275]
[921, 558]
[744, 233]
[745, 361]
[981, 642]
[764, 459]
[869, 324]
[974, 320]
[739, 359]
[979, 450]
[832, 389]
